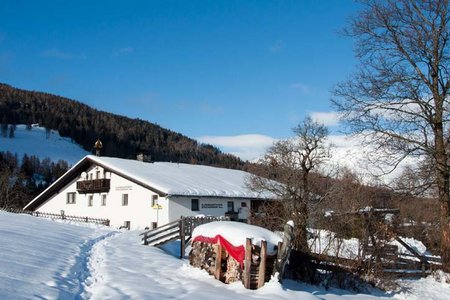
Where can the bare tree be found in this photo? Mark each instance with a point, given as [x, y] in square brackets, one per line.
[290, 162]
[399, 95]
[12, 194]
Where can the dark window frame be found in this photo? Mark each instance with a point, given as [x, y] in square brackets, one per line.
[124, 199]
[195, 204]
[230, 204]
[71, 198]
[103, 200]
[154, 200]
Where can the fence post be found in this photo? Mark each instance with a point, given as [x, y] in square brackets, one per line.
[182, 238]
[262, 264]
[145, 238]
[247, 262]
[278, 263]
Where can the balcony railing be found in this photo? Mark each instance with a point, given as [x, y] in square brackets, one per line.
[93, 186]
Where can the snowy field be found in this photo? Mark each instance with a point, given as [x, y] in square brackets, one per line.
[44, 259]
[35, 142]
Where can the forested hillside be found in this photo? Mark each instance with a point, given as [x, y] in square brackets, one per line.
[121, 136]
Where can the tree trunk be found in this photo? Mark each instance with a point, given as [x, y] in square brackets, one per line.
[443, 183]
[445, 235]
[301, 225]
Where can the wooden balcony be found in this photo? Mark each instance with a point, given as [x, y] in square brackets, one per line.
[93, 186]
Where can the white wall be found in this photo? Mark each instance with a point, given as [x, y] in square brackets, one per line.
[139, 210]
[209, 206]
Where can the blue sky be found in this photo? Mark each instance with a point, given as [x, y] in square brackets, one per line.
[232, 73]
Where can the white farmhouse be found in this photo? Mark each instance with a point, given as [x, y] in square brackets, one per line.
[140, 194]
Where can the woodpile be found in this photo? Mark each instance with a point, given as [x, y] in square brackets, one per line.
[255, 271]
[204, 256]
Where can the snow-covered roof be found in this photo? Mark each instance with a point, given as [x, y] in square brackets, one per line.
[179, 179]
[164, 178]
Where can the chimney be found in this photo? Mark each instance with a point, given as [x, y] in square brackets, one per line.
[98, 146]
[143, 157]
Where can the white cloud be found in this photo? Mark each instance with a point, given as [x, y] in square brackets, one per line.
[123, 51]
[352, 152]
[246, 146]
[57, 53]
[326, 118]
[305, 89]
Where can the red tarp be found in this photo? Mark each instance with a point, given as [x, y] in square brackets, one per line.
[237, 252]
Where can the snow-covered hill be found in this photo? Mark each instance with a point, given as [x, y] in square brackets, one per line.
[44, 259]
[353, 153]
[38, 143]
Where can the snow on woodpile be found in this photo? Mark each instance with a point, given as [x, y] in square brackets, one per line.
[185, 179]
[236, 234]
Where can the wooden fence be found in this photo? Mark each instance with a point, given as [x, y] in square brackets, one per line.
[179, 229]
[385, 260]
[59, 216]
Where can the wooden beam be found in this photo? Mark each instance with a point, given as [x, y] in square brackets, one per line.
[145, 239]
[412, 250]
[218, 266]
[262, 265]
[182, 238]
[247, 263]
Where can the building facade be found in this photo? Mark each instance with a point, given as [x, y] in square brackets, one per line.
[140, 195]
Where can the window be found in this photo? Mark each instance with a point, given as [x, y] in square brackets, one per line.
[154, 225]
[127, 224]
[230, 205]
[194, 205]
[90, 200]
[154, 200]
[90, 176]
[97, 175]
[103, 200]
[124, 199]
[71, 198]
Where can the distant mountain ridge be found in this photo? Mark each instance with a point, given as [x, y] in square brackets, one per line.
[121, 136]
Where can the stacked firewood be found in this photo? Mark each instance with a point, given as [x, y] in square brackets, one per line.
[203, 256]
[234, 271]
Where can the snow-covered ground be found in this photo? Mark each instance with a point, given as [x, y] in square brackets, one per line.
[44, 259]
[36, 142]
[326, 242]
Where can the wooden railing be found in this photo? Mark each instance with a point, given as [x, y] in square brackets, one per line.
[179, 229]
[59, 216]
[93, 186]
[162, 234]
